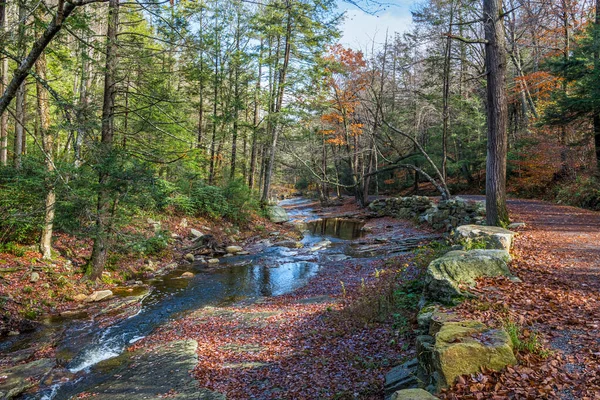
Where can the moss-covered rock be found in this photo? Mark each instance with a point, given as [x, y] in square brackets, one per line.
[492, 237]
[413, 394]
[445, 275]
[467, 346]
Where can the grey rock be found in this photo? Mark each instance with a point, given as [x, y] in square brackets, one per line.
[22, 377]
[401, 377]
[99, 296]
[277, 214]
[196, 233]
[492, 236]
[34, 277]
[445, 275]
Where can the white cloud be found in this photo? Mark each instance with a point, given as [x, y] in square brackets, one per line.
[360, 29]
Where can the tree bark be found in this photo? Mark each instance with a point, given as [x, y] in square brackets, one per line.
[279, 101]
[497, 114]
[105, 209]
[3, 83]
[48, 147]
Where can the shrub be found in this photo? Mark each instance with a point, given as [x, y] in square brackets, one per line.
[584, 193]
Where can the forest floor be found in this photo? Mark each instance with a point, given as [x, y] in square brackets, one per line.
[557, 306]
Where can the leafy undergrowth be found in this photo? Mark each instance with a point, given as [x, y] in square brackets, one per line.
[335, 338]
[554, 314]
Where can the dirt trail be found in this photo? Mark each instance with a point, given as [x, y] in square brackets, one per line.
[558, 258]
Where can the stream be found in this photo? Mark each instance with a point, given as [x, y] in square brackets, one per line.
[272, 271]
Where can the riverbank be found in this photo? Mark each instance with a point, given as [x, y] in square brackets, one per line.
[33, 290]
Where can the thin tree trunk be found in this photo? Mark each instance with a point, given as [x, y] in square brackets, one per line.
[446, 94]
[236, 100]
[279, 101]
[497, 114]
[105, 210]
[596, 119]
[251, 177]
[3, 83]
[48, 147]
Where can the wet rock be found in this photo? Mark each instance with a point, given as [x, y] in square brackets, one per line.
[277, 214]
[213, 261]
[492, 237]
[445, 275]
[153, 373]
[189, 257]
[99, 296]
[320, 245]
[233, 249]
[34, 277]
[290, 244]
[187, 275]
[413, 394]
[22, 377]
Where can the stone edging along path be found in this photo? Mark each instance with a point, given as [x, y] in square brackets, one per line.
[555, 307]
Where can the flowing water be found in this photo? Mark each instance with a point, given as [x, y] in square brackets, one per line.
[271, 272]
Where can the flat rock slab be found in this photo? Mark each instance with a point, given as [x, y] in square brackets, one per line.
[492, 237]
[16, 380]
[152, 373]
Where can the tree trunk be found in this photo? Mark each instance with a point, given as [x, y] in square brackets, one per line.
[446, 94]
[596, 119]
[497, 114]
[105, 210]
[279, 101]
[255, 119]
[3, 83]
[48, 147]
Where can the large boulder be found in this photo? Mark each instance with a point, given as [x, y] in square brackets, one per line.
[413, 394]
[445, 276]
[466, 347]
[277, 214]
[492, 237]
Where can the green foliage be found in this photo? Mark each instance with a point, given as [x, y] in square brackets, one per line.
[153, 245]
[21, 202]
[234, 201]
[12, 248]
[426, 254]
[525, 340]
[584, 193]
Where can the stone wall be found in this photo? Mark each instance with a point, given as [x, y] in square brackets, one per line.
[445, 214]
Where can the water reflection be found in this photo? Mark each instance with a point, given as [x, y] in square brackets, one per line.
[342, 228]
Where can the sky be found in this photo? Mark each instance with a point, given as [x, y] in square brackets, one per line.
[360, 28]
